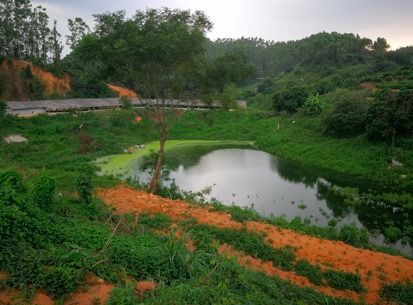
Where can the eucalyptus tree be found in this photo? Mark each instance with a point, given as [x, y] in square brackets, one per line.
[55, 44]
[77, 28]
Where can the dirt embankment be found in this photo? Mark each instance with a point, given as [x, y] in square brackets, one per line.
[121, 91]
[15, 87]
[375, 269]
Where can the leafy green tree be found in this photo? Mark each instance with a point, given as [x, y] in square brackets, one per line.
[346, 117]
[228, 97]
[391, 115]
[380, 46]
[290, 99]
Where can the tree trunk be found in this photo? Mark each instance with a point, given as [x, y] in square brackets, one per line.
[159, 162]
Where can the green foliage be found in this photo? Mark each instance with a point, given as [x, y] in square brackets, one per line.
[266, 87]
[84, 187]
[122, 295]
[347, 115]
[126, 103]
[352, 235]
[290, 99]
[313, 273]
[343, 280]
[391, 115]
[393, 234]
[61, 280]
[158, 221]
[43, 191]
[11, 188]
[229, 96]
[400, 293]
[313, 105]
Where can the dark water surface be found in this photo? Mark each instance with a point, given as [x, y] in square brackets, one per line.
[271, 185]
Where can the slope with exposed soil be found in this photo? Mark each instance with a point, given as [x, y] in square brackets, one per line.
[375, 269]
[16, 87]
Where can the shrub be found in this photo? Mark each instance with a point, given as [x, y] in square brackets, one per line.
[84, 187]
[122, 296]
[126, 103]
[313, 105]
[43, 191]
[393, 234]
[11, 188]
[290, 99]
[390, 115]
[352, 235]
[347, 115]
[229, 96]
[60, 280]
[266, 87]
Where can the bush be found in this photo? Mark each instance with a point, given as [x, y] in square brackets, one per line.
[354, 236]
[126, 103]
[290, 99]
[313, 105]
[11, 188]
[391, 115]
[84, 187]
[43, 191]
[266, 87]
[347, 115]
[393, 234]
[122, 296]
[60, 280]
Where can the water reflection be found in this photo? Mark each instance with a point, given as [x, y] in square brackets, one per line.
[247, 177]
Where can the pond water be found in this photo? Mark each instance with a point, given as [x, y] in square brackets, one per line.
[271, 185]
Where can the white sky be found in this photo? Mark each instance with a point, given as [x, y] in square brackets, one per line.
[277, 20]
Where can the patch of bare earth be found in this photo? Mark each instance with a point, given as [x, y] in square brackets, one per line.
[375, 269]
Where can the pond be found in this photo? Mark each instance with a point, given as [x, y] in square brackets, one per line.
[251, 178]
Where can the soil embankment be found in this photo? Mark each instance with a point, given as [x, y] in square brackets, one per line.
[375, 269]
[15, 86]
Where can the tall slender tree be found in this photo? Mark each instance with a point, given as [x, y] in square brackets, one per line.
[77, 28]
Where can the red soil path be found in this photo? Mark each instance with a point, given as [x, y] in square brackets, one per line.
[375, 269]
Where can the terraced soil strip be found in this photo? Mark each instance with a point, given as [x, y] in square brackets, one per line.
[376, 269]
[269, 269]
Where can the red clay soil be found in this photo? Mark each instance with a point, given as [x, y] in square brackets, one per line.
[15, 87]
[97, 289]
[120, 91]
[375, 269]
[144, 286]
[269, 269]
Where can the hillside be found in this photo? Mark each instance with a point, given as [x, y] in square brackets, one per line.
[21, 80]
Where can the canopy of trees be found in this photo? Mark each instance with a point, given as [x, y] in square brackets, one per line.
[25, 33]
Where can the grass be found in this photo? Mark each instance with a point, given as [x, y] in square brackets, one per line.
[401, 294]
[114, 164]
[254, 245]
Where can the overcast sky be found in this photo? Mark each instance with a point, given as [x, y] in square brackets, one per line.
[277, 20]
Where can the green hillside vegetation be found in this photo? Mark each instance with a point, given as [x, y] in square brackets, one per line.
[334, 102]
